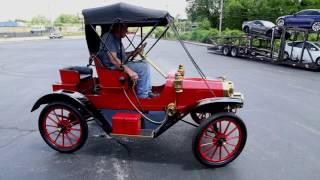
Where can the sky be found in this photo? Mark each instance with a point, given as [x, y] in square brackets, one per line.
[26, 9]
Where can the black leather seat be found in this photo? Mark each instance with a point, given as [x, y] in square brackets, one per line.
[84, 71]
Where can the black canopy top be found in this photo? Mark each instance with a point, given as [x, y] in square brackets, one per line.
[126, 13]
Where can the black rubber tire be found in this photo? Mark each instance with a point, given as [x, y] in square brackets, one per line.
[203, 126]
[76, 112]
[234, 51]
[246, 29]
[226, 50]
[269, 33]
[281, 19]
[286, 55]
[316, 29]
[318, 61]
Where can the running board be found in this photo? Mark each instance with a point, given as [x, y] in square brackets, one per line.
[145, 133]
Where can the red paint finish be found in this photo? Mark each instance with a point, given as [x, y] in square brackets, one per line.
[111, 90]
[69, 76]
[126, 123]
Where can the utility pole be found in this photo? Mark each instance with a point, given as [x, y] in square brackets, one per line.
[221, 14]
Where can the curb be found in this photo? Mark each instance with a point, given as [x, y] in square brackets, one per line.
[35, 38]
[198, 43]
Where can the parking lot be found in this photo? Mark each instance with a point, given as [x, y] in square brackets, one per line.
[280, 112]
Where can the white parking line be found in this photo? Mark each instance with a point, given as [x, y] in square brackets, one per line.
[309, 129]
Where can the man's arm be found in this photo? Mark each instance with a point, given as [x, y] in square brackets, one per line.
[117, 62]
[137, 51]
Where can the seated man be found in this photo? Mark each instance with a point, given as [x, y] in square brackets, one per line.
[113, 57]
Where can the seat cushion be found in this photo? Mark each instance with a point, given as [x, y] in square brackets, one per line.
[83, 70]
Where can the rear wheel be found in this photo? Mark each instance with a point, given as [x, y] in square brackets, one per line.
[269, 33]
[226, 50]
[318, 61]
[280, 22]
[219, 139]
[316, 26]
[62, 127]
[246, 29]
[285, 56]
[234, 52]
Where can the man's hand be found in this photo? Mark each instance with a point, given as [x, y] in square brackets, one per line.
[133, 75]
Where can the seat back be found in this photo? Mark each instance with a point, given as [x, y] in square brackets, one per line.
[109, 78]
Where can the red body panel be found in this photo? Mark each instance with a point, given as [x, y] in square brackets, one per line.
[111, 94]
[126, 123]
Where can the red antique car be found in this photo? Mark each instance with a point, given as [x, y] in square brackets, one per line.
[108, 97]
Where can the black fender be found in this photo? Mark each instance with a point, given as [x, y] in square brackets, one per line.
[78, 100]
[219, 103]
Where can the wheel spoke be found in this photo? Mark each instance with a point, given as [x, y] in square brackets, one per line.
[214, 152]
[62, 139]
[220, 153]
[52, 120]
[53, 132]
[202, 145]
[206, 135]
[76, 138]
[54, 112]
[51, 126]
[231, 144]
[235, 128]
[69, 139]
[226, 128]
[224, 147]
[208, 150]
[220, 125]
[62, 114]
[74, 123]
[57, 137]
[212, 128]
[73, 129]
[231, 138]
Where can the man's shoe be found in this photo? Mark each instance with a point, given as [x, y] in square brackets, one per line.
[152, 95]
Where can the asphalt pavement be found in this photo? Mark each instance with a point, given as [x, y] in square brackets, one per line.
[280, 112]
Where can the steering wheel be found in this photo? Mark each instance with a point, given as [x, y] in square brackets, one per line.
[135, 55]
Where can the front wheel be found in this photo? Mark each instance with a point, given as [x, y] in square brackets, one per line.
[318, 61]
[316, 26]
[234, 52]
[62, 127]
[226, 50]
[285, 56]
[280, 22]
[219, 139]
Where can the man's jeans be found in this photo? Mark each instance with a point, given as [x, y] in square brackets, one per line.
[143, 86]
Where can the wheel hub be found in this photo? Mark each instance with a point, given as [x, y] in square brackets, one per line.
[220, 140]
[64, 126]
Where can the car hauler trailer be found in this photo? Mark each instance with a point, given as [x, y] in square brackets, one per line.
[286, 50]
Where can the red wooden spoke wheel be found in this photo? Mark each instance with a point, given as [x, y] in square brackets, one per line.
[62, 127]
[219, 140]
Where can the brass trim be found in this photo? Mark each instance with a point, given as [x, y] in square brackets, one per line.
[228, 88]
[171, 109]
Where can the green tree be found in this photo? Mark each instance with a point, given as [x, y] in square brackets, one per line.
[237, 11]
[39, 20]
[67, 19]
[200, 9]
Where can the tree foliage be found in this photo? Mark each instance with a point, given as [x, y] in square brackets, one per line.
[199, 9]
[237, 11]
[39, 20]
[67, 19]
